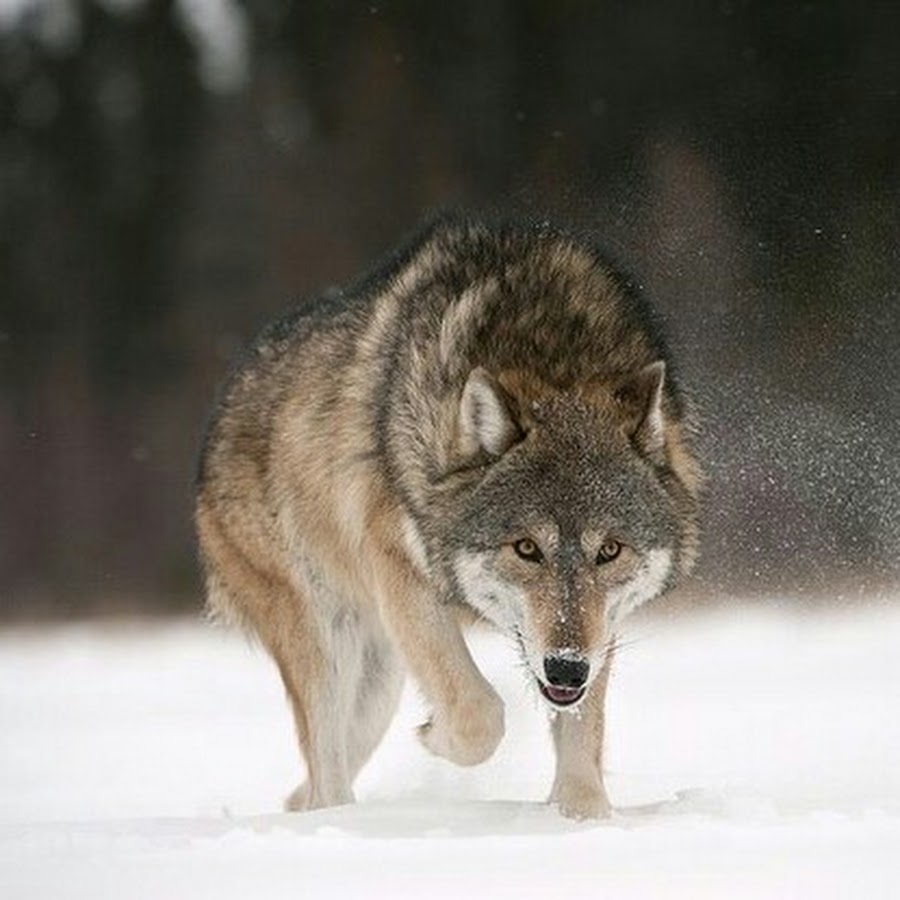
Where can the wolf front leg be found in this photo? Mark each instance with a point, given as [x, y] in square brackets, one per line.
[578, 737]
[467, 719]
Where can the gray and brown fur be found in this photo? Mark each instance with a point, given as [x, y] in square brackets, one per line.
[378, 457]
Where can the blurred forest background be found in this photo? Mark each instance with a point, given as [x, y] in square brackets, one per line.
[173, 173]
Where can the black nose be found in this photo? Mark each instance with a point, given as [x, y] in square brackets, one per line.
[566, 671]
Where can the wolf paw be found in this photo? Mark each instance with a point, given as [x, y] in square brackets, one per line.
[298, 799]
[305, 798]
[470, 736]
[578, 798]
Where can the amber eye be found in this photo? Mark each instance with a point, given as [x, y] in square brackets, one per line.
[608, 551]
[527, 549]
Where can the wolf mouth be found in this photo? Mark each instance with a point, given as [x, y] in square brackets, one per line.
[556, 695]
[561, 696]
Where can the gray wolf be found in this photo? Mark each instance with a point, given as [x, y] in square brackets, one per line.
[487, 423]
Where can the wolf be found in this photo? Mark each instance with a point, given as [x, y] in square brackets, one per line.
[487, 423]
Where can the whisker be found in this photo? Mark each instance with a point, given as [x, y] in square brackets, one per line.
[618, 643]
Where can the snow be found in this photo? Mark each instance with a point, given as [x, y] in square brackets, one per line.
[752, 753]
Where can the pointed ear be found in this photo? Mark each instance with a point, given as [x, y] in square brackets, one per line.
[640, 397]
[486, 418]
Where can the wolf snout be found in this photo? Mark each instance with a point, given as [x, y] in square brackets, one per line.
[565, 679]
[566, 671]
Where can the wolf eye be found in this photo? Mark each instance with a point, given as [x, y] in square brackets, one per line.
[608, 551]
[527, 549]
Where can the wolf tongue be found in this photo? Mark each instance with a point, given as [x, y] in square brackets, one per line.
[561, 694]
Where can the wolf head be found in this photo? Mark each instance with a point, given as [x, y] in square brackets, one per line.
[564, 515]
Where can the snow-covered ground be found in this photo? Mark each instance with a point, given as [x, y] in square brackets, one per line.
[751, 754]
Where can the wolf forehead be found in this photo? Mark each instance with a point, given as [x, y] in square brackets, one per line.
[572, 496]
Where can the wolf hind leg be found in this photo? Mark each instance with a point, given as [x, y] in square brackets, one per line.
[342, 722]
[321, 732]
[378, 690]
[310, 648]
[249, 584]
[310, 630]
[379, 684]
[320, 674]
[310, 661]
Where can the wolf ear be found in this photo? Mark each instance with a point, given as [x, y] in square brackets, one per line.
[640, 396]
[485, 416]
